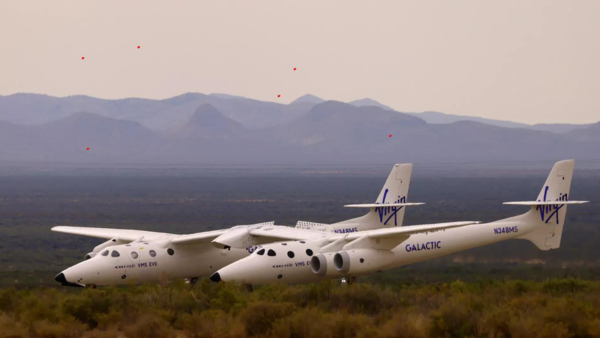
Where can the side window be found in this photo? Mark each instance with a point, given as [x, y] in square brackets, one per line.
[152, 253]
[114, 254]
[290, 254]
[271, 253]
[170, 252]
[104, 253]
[260, 252]
[134, 255]
[309, 252]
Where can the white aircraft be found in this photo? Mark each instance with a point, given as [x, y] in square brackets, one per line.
[314, 256]
[134, 256]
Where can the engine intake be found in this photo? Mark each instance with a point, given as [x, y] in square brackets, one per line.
[322, 265]
[89, 255]
[341, 260]
[318, 264]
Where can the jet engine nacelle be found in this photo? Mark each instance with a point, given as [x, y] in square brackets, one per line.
[89, 255]
[361, 261]
[237, 237]
[322, 264]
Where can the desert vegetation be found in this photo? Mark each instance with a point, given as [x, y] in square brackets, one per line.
[513, 308]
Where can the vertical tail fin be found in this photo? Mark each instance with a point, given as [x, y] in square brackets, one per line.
[550, 209]
[556, 188]
[395, 190]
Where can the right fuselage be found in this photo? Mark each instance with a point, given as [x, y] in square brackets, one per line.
[290, 262]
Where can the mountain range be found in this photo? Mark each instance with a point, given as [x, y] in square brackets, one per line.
[224, 129]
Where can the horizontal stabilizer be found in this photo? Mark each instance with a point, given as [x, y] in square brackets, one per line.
[375, 205]
[534, 203]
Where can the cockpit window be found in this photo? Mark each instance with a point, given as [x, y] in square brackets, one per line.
[152, 253]
[290, 254]
[271, 253]
[134, 255]
[114, 254]
[260, 252]
[104, 253]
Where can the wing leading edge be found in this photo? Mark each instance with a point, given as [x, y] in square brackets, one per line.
[108, 233]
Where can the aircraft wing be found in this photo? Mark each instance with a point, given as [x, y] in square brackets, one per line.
[108, 233]
[201, 237]
[407, 230]
[281, 233]
[127, 235]
[209, 236]
[388, 238]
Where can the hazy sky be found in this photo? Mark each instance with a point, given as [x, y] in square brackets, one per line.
[523, 60]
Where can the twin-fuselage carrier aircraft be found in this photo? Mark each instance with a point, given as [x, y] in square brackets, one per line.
[135, 256]
[311, 252]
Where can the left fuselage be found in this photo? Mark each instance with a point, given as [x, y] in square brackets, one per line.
[139, 262]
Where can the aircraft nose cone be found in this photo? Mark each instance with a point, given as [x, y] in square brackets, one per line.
[63, 280]
[60, 278]
[215, 277]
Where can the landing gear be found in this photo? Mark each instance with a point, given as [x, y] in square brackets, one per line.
[191, 281]
[249, 287]
[348, 280]
[90, 286]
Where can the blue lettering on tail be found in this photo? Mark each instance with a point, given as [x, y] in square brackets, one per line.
[547, 211]
[392, 211]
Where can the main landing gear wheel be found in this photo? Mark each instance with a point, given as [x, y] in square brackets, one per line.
[249, 287]
[90, 286]
[348, 280]
[192, 281]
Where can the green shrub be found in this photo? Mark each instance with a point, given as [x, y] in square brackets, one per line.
[258, 317]
[552, 308]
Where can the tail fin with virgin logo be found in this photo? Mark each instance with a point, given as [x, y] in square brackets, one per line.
[550, 209]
